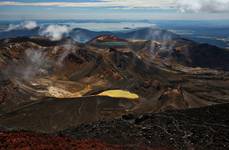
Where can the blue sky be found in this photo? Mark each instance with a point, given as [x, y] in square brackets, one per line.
[115, 9]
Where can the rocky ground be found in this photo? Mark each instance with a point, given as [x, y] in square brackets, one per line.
[195, 129]
[27, 140]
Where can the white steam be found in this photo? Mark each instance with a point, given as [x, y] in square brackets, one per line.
[69, 48]
[212, 6]
[36, 63]
[55, 32]
[28, 25]
[163, 47]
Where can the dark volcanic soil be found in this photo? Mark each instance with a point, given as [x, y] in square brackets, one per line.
[203, 128]
[32, 141]
[55, 115]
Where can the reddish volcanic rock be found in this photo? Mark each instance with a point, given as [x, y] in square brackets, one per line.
[107, 38]
[27, 141]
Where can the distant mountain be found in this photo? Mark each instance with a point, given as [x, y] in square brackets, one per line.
[19, 33]
[148, 33]
[84, 35]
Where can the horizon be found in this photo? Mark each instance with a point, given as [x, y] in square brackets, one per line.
[114, 9]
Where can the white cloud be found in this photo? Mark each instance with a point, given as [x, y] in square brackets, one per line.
[214, 6]
[101, 3]
[182, 5]
[55, 32]
[140, 3]
[29, 25]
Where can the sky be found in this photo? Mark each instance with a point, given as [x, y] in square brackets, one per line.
[115, 9]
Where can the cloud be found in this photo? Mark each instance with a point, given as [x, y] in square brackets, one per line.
[213, 6]
[55, 32]
[182, 5]
[29, 25]
[100, 3]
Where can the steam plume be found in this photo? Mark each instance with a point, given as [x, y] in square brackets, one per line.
[55, 32]
[29, 25]
[35, 62]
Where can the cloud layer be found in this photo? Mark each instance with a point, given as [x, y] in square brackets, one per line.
[182, 5]
[29, 25]
[100, 3]
[55, 32]
[213, 6]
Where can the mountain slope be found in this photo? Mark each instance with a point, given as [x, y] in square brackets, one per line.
[202, 128]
